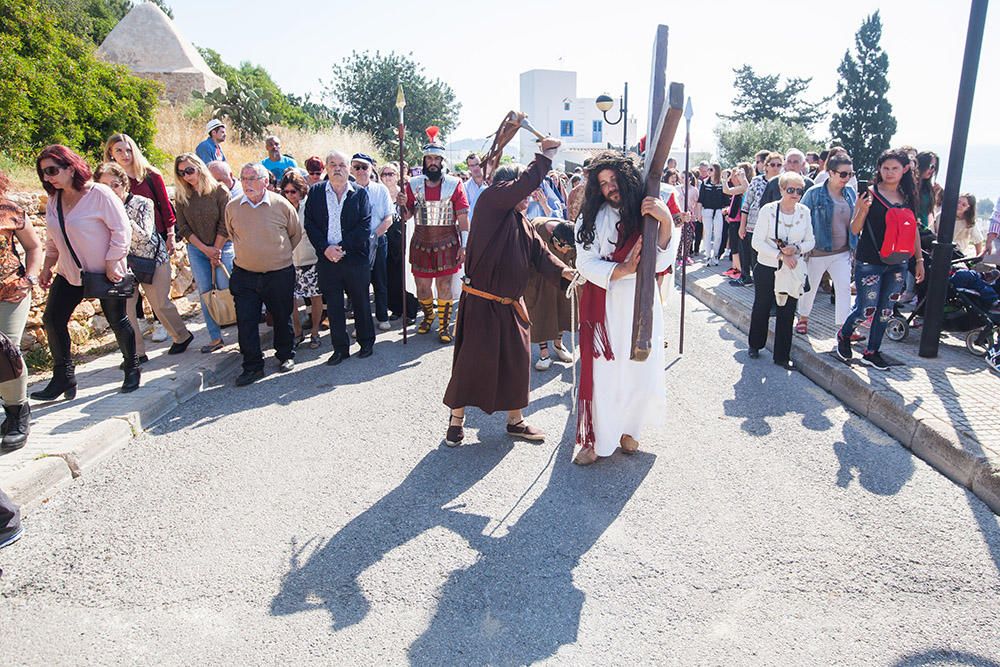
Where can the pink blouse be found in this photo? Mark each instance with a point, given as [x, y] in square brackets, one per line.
[98, 228]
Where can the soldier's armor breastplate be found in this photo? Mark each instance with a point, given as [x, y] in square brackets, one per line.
[434, 213]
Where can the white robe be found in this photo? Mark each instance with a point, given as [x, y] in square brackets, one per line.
[628, 395]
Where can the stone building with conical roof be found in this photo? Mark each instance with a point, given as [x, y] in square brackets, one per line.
[148, 43]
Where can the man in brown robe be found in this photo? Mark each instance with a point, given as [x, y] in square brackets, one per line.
[492, 362]
[548, 307]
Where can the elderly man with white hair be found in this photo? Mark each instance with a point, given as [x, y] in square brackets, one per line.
[795, 162]
[223, 174]
[338, 217]
[264, 229]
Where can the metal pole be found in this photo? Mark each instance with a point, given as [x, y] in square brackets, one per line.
[937, 287]
[688, 114]
[625, 121]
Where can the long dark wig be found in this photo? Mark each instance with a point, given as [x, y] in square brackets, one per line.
[907, 184]
[630, 188]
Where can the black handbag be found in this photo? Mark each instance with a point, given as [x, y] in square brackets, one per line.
[96, 285]
[143, 268]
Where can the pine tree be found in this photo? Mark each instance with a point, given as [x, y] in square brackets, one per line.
[864, 122]
[763, 97]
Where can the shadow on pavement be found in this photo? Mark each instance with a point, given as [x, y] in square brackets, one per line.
[945, 657]
[517, 603]
[879, 468]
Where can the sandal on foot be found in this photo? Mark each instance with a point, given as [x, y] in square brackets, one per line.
[456, 432]
[629, 444]
[212, 347]
[314, 342]
[585, 456]
[525, 431]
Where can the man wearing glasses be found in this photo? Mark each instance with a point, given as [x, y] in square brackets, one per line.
[264, 229]
[362, 166]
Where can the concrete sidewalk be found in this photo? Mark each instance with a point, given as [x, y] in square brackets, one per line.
[943, 409]
[69, 437]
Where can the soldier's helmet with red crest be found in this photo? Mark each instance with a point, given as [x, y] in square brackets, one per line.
[434, 148]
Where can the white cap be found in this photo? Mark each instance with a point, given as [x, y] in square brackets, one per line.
[213, 124]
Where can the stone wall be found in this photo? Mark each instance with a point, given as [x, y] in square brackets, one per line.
[88, 323]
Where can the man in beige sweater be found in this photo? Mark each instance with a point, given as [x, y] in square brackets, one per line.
[264, 229]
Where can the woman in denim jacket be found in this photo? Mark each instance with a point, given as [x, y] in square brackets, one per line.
[832, 207]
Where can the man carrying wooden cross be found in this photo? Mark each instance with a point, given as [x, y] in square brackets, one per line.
[618, 397]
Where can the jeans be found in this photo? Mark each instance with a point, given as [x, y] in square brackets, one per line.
[712, 220]
[763, 301]
[380, 281]
[351, 275]
[839, 268]
[12, 319]
[63, 300]
[201, 268]
[878, 287]
[251, 290]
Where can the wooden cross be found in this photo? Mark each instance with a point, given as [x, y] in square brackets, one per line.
[664, 117]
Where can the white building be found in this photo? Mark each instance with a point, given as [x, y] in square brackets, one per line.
[549, 98]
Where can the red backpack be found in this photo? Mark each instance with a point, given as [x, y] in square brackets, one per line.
[900, 232]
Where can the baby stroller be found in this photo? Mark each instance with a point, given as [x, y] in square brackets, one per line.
[968, 305]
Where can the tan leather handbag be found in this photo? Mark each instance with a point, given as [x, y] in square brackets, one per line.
[219, 302]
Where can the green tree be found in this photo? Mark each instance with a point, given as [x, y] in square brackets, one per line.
[363, 93]
[285, 109]
[53, 89]
[864, 122]
[738, 142]
[761, 97]
[94, 19]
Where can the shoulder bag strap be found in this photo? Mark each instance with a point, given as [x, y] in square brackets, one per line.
[62, 226]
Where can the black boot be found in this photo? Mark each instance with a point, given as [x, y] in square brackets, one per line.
[63, 382]
[133, 371]
[18, 426]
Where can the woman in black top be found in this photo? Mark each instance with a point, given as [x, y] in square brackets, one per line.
[879, 284]
[713, 203]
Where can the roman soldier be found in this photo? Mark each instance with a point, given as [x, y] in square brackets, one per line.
[441, 231]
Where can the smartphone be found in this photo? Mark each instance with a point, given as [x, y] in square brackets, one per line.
[862, 187]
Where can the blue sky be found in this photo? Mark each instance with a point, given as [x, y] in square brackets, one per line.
[481, 48]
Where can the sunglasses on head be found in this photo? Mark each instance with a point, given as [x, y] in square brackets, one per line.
[186, 171]
[52, 171]
[795, 191]
[359, 167]
[845, 174]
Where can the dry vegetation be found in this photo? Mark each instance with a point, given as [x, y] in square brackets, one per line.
[179, 132]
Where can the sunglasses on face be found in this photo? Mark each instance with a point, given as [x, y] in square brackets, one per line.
[774, 164]
[359, 167]
[845, 174]
[290, 191]
[795, 191]
[315, 173]
[388, 174]
[52, 171]
[186, 171]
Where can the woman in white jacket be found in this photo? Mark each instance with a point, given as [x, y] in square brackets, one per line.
[782, 236]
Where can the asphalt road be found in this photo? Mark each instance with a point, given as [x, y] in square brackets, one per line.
[316, 517]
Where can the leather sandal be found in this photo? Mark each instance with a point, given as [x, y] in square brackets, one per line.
[456, 432]
[629, 444]
[585, 456]
[525, 431]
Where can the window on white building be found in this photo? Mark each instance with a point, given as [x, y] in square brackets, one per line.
[566, 105]
[565, 128]
[597, 132]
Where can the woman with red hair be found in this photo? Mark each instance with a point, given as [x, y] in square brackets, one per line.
[88, 230]
[16, 281]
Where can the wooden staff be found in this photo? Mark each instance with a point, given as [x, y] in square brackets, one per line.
[401, 104]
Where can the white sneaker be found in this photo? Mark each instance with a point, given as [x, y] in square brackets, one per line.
[159, 334]
[562, 353]
[543, 364]
[384, 326]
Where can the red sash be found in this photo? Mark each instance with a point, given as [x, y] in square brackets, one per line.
[594, 342]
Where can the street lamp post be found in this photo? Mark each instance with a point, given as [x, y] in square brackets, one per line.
[604, 104]
[937, 281]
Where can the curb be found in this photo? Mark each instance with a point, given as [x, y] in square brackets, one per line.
[40, 479]
[937, 442]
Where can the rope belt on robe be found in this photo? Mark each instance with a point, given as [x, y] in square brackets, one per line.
[506, 300]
